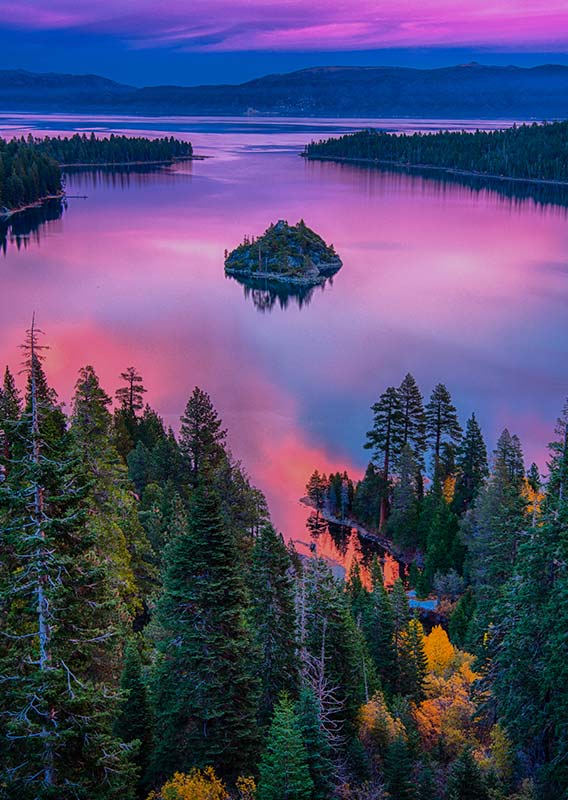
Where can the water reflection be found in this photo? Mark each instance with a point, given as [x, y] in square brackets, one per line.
[123, 177]
[29, 226]
[512, 193]
[342, 545]
[447, 281]
[266, 294]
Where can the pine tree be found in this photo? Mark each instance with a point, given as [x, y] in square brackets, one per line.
[112, 508]
[58, 615]
[385, 439]
[403, 521]
[202, 436]
[444, 549]
[10, 409]
[284, 770]
[413, 661]
[134, 720]
[465, 781]
[316, 488]
[529, 634]
[335, 660]
[320, 761]
[398, 771]
[379, 629]
[472, 467]
[401, 618]
[494, 530]
[130, 396]
[442, 425]
[274, 620]
[205, 692]
[413, 419]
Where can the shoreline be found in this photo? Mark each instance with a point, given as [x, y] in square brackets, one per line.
[365, 533]
[292, 280]
[36, 204]
[162, 162]
[447, 170]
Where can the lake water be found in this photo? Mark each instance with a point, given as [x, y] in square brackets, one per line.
[453, 283]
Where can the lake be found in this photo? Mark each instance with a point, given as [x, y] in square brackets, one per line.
[455, 283]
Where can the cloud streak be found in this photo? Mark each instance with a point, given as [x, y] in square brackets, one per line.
[297, 25]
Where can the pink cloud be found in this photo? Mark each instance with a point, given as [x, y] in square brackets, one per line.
[235, 25]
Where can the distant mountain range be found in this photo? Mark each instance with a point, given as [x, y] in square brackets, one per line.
[467, 90]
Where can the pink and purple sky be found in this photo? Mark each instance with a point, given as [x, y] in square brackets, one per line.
[192, 41]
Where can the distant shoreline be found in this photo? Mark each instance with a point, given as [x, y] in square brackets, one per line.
[447, 170]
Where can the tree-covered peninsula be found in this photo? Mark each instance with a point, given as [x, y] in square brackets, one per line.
[26, 175]
[292, 254]
[31, 168]
[537, 152]
[80, 149]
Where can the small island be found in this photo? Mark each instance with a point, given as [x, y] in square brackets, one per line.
[290, 254]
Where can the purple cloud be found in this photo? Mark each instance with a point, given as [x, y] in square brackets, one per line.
[288, 25]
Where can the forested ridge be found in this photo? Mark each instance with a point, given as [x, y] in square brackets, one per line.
[160, 639]
[30, 168]
[529, 152]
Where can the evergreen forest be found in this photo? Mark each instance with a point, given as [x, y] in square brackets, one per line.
[533, 152]
[160, 639]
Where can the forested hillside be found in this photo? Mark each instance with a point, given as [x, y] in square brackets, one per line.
[161, 639]
[529, 152]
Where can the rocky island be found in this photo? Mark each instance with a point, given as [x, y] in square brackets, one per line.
[289, 254]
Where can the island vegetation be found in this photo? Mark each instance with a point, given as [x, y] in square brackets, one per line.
[31, 168]
[292, 254]
[536, 152]
[160, 638]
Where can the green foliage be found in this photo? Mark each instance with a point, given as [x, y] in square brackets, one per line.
[201, 435]
[134, 721]
[398, 770]
[284, 768]
[81, 149]
[201, 631]
[472, 466]
[61, 618]
[465, 781]
[442, 424]
[274, 620]
[320, 762]
[534, 152]
[26, 175]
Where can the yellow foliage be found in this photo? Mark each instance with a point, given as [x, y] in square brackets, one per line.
[195, 785]
[447, 712]
[377, 726]
[449, 488]
[439, 651]
[502, 753]
[246, 787]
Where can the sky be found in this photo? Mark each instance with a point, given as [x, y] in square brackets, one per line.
[213, 41]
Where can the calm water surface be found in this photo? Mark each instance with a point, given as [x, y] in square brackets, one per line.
[454, 284]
